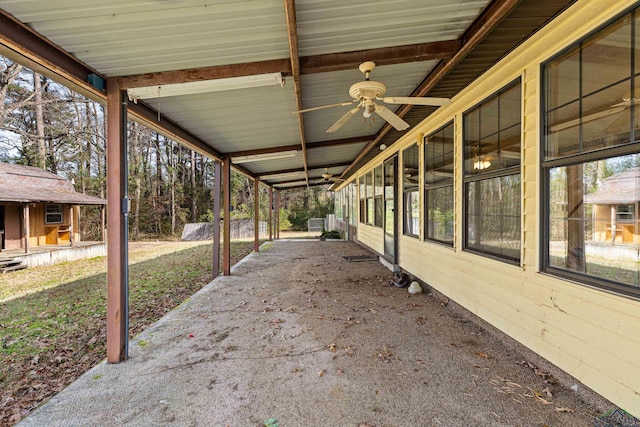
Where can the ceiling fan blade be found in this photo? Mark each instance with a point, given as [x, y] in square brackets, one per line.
[339, 104]
[416, 100]
[342, 120]
[391, 117]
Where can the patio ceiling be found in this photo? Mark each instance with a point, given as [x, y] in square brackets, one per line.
[310, 50]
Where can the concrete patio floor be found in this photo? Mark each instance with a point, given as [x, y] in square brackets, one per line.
[299, 334]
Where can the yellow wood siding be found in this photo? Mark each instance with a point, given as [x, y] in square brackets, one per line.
[590, 333]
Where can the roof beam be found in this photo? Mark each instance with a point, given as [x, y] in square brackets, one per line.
[481, 27]
[310, 145]
[292, 33]
[300, 170]
[382, 56]
[307, 64]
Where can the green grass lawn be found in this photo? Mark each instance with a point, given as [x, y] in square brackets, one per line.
[53, 319]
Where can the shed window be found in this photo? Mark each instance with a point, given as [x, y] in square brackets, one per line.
[591, 159]
[53, 214]
[624, 213]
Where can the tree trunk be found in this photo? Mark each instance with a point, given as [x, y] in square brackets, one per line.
[41, 153]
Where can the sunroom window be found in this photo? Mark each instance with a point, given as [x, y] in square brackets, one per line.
[492, 140]
[438, 183]
[411, 190]
[590, 162]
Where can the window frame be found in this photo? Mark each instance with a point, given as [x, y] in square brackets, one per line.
[445, 183]
[378, 196]
[468, 179]
[547, 165]
[408, 231]
[58, 211]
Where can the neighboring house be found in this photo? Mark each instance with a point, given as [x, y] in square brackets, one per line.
[38, 208]
[615, 207]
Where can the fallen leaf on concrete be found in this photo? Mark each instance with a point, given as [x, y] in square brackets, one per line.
[365, 425]
[547, 392]
[272, 422]
[339, 372]
[321, 373]
[483, 355]
[333, 347]
[564, 409]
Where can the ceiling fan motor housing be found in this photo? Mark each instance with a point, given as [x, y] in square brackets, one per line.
[367, 90]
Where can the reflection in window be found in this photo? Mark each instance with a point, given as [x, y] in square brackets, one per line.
[378, 194]
[410, 190]
[438, 182]
[590, 231]
[492, 138]
[53, 214]
[591, 165]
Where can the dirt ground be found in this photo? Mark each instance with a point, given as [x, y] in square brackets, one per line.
[299, 336]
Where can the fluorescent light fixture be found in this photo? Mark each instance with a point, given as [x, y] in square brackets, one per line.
[276, 175]
[205, 86]
[267, 156]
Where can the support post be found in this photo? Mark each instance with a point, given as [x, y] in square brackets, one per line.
[117, 212]
[217, 191]
[270, 213]
[27, 227]
[226, 256]
[256, 214]
[71, 214]
[277, 214]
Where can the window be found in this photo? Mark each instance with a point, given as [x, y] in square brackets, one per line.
[492, 175]
[378, 193]
[368, 179]
[363, 200]
[438, 183]
[53, 214]
[591, 161]
[410, 191]
[624, 213]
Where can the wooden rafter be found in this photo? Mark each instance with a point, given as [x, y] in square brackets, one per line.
[300, 170]
[308, 64]
[292, 32]
[310, 146]
[481, 27]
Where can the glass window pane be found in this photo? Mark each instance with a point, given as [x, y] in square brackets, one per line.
[378, 206]
[563, 80]
[438, 156]
[498, 144]
[606, 118]
[592, 225]
[439, 214]
[493, 216]
[563, 132]
[412, 213]
[606, 57]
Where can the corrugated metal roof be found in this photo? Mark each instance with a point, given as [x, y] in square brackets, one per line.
[125, 37]
[343, 26]
[120, 37]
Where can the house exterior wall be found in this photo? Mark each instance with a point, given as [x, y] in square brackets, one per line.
[590, 333]
[12, 227]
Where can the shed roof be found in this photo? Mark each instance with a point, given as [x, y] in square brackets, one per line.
[27, 184]
[623, 187]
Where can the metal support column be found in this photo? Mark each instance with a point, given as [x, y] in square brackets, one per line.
[277, 214]
[270, 213]
[217, 191]
[226, 256]
[117, 213]
[256, 214]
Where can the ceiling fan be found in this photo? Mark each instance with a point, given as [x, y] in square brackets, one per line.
[365, 93]
[328, 178]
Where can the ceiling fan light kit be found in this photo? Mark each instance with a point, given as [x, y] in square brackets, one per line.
[365, 93]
